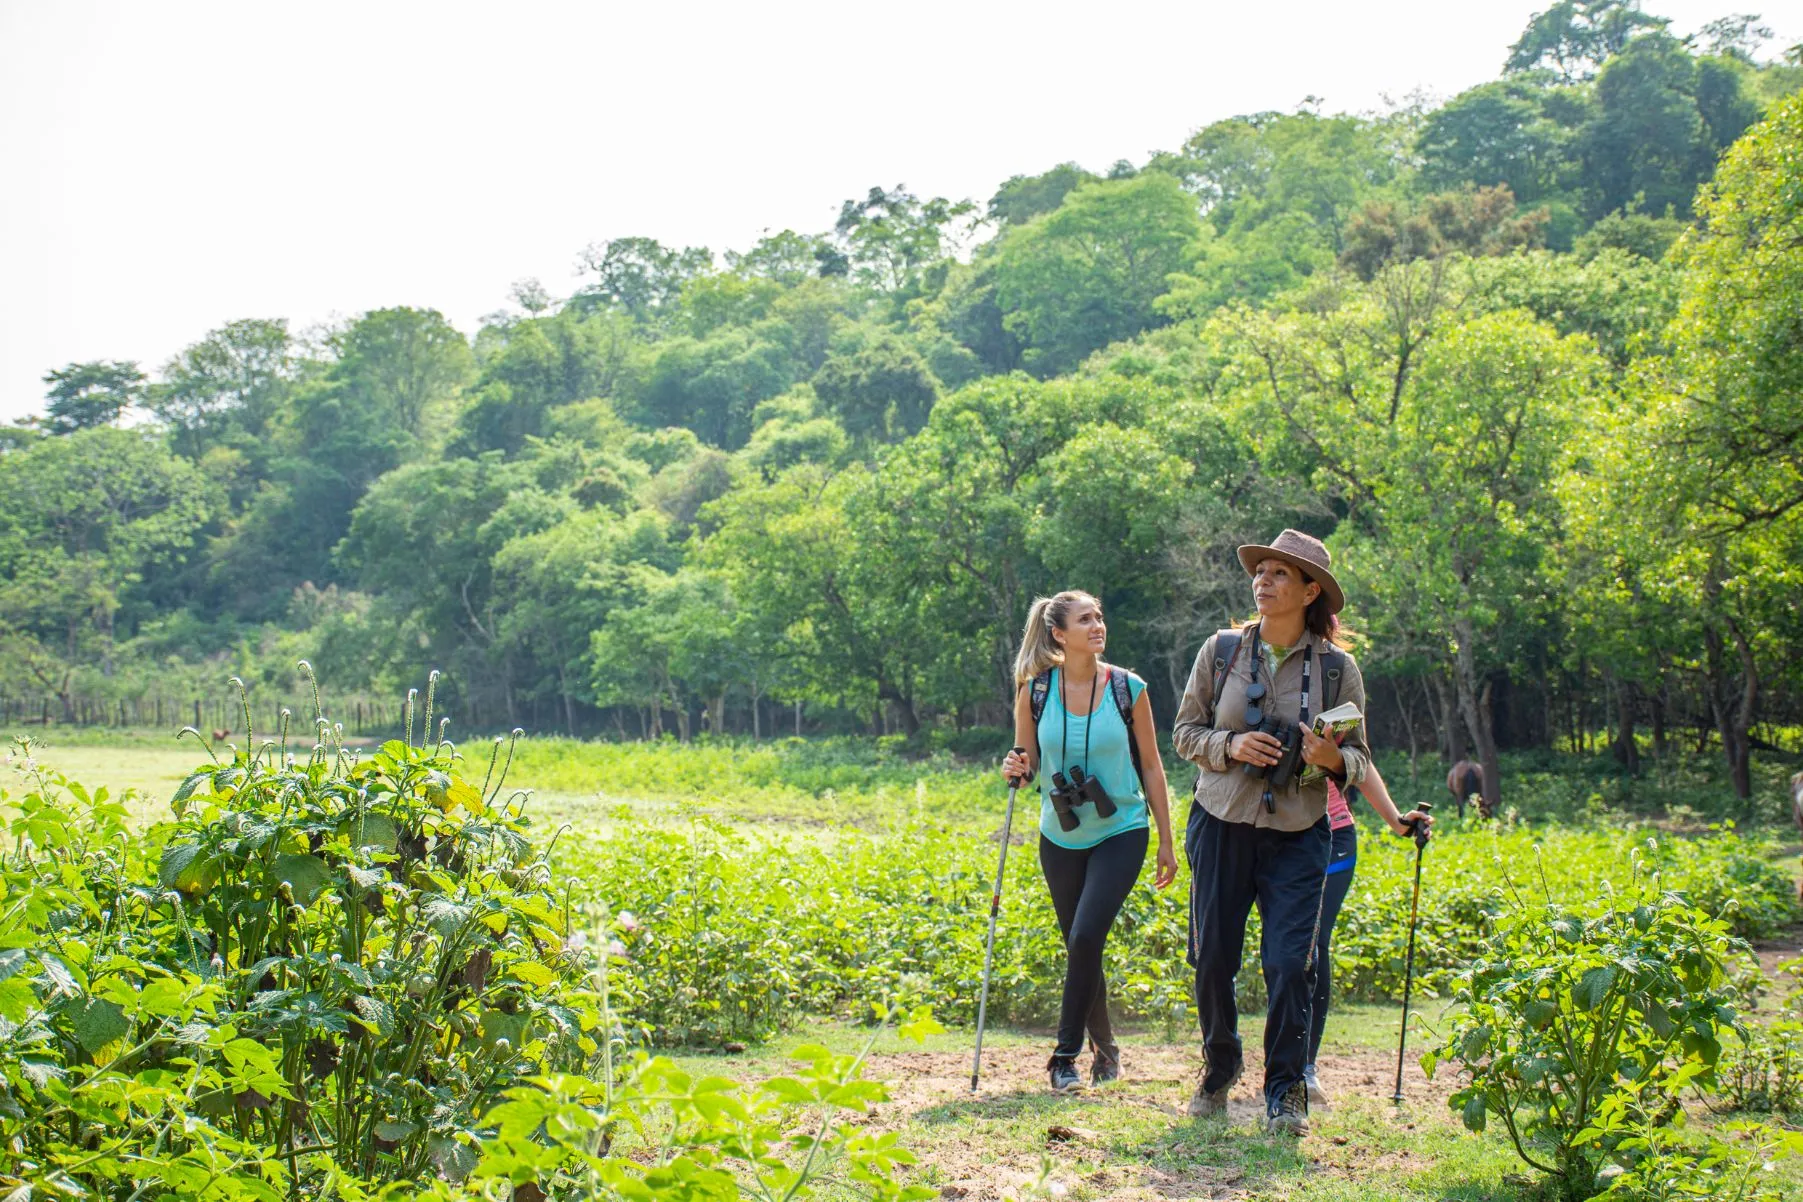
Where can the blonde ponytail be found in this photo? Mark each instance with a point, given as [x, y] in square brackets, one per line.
[1039, 651]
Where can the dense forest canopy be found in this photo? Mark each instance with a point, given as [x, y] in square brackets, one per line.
[1529, 359]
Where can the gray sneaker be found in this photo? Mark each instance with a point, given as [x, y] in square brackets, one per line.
[1316, 1095]
[1063, 1072]
[1290, 1115]
[1205, 1102]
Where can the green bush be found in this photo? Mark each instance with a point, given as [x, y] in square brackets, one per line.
[1581, 1023]
[333, 975]
[735, 936]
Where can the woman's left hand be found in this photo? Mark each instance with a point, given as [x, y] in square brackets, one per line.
[1167, 864]
[1323, 753]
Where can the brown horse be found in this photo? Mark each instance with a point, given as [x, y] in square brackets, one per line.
[1465, 781]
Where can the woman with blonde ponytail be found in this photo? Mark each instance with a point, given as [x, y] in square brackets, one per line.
[1071, 712]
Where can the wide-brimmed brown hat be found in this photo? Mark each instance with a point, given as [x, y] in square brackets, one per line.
[1308, 555]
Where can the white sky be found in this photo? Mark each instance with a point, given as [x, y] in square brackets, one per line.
[168, 167]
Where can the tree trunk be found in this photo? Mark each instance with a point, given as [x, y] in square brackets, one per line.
[1626, 748]
[798, 719]
[1656, 718]
[1446, 717]
[569, 706]
[1732, 721]
[1475, 705]
[716, 714]
[1407, 714]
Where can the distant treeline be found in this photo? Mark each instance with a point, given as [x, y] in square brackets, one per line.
[1528, 360]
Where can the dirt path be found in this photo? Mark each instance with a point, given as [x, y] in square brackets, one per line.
[1131, 1141]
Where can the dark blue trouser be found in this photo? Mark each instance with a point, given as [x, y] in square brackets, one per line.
[1089, 885]
[1339, 880]
[1232, 866]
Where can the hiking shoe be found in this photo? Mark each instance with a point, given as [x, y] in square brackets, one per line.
[1104, 1063]
[1206, 1102]
[1316, 1095]
[1289, 1116]
[1063, 1072]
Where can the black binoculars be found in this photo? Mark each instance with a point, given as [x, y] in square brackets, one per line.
[1074, 791]
[1289, 759]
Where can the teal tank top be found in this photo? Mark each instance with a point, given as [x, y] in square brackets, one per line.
[1110, 761]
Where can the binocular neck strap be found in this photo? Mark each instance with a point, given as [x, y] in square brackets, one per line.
[1258, 658]
[1064, 739]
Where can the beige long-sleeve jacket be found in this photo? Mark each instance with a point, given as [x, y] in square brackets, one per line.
[1202, 732]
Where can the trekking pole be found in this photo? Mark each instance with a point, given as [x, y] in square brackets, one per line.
[995, 908]
[1408, 978]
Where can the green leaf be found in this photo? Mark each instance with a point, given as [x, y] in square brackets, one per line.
[11, 961]
[306, 875]
[531, 972]
[395, 750]
[1593, 987]
[189, 783]
[1660, 1019]
[365, 829]
[394, 1132]
[97, 1022]
[1473, 1113]
[377, 1015]
[453, 1159]
[186, 867]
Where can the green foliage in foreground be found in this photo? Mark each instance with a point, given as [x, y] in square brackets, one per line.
[733, 938]
[352, 978]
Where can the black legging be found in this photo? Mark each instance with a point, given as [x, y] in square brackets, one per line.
[1089, 886]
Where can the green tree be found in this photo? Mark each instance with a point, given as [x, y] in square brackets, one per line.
[85, 395]
[84, 520]
[408, 365]
[1024, 197]
[1445, 440]
[1077, 279]
[227, 387]
[1501, 132]
[1722, 471]
[1576, 37]
[882, 390]
[640, 276]
[891, 235]
[1650, 142]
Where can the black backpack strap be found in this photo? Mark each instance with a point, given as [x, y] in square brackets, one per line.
[1040, 689]
[1120, 687]
[1227, 650]
[1333, 670]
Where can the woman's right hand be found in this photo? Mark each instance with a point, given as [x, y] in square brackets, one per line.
[1254, 747]
[1015, 768]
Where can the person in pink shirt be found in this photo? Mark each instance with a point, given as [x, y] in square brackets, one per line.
[1333, 896]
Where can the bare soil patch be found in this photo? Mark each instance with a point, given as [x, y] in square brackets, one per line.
[930, 1095]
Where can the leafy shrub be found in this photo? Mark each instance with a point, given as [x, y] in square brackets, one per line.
[1764, 1072]
[738, 935]
[331, 975]
[1579, 1021]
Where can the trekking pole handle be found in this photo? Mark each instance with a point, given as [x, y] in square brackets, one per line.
[1015, 782]
[1414, 827]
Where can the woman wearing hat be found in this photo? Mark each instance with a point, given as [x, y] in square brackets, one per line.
[1252, 840]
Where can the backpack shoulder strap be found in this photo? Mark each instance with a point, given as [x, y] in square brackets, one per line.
[1120, 687]
[1227, 650]
[1333, 670]
[1040, 689]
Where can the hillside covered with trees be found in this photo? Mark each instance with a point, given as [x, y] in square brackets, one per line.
[1529, 359]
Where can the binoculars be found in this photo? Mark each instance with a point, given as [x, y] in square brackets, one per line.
[1075, 790]
[1278, 775]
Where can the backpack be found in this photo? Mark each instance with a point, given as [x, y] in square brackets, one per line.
[1119, 688]
[1227, 650]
